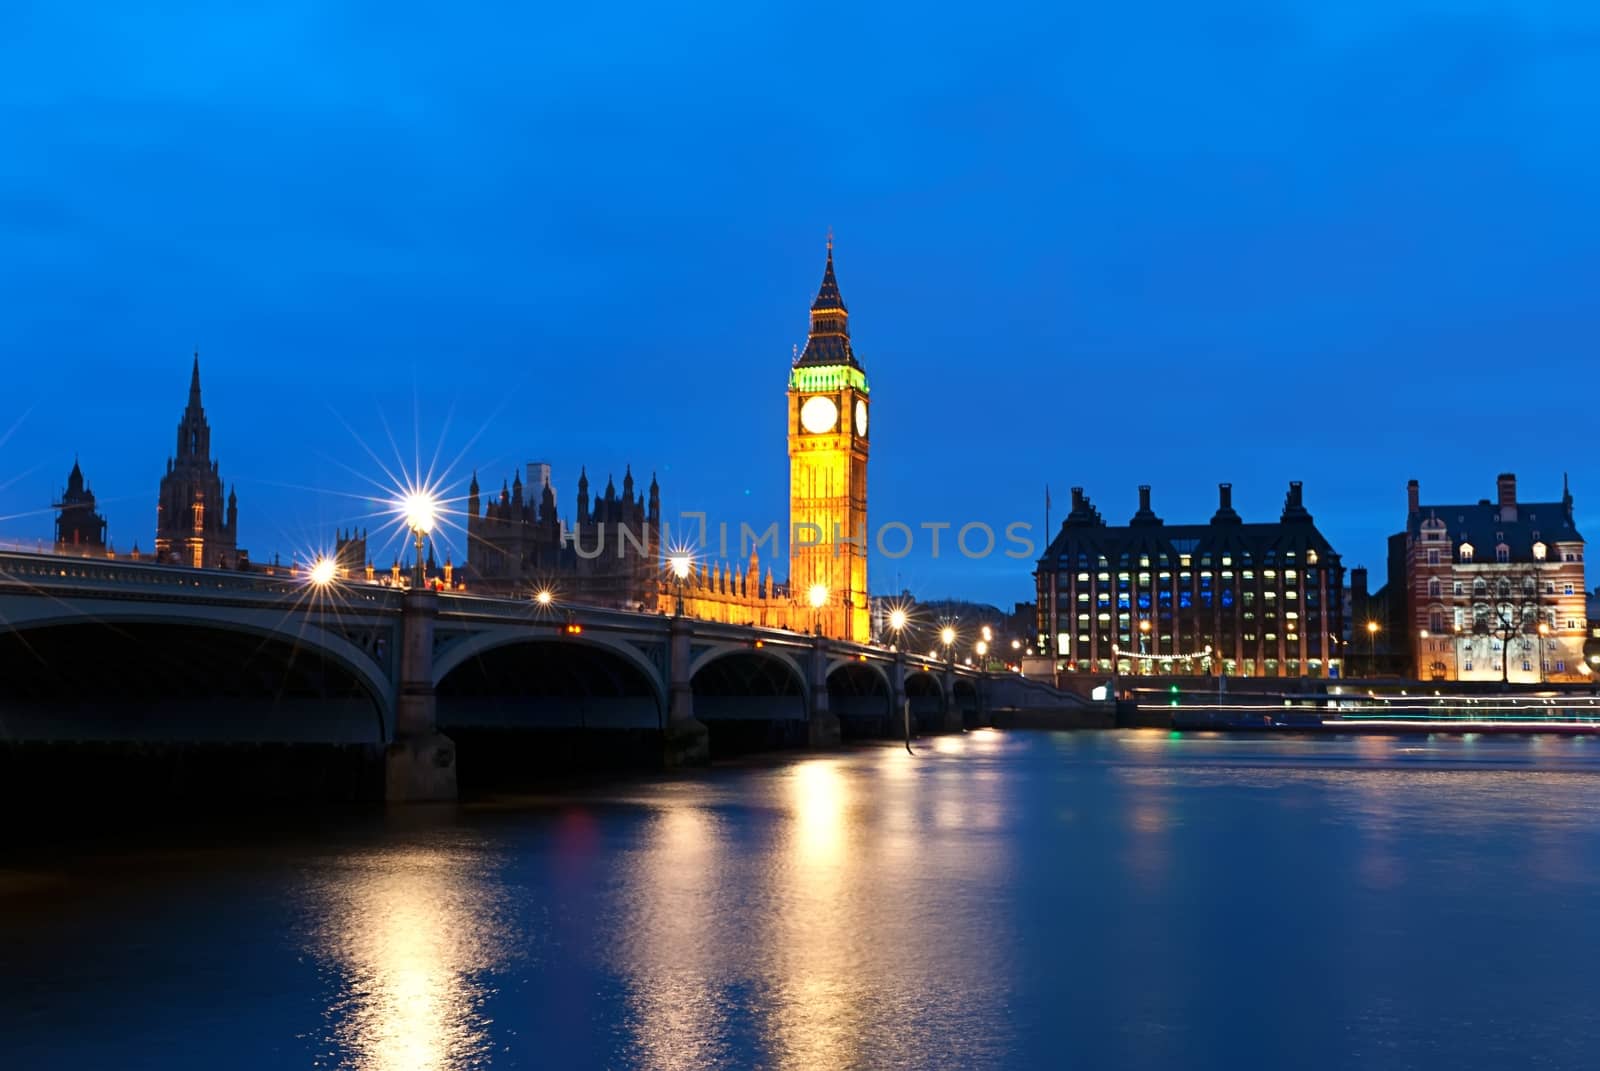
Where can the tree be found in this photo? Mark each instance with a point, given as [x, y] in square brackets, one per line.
[1505, 604]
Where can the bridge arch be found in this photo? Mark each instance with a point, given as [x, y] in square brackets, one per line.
[513, 678]
[964, 700]
[225, 673]
[861, 696]
[751, 699]
[925, 693]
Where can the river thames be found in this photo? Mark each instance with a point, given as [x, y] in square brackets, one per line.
[1135, 899]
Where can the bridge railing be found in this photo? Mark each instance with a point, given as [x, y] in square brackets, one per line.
[45, 571]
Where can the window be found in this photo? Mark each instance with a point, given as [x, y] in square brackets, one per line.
[1538, 552]
[1466, 552]
[1569, 588]
[1457, 587]
[1561, 665]
[1433, 556]
[1436, 621]
[1502, 553]
[1433, 588]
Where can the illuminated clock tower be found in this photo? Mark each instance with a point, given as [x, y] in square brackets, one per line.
[828, 406]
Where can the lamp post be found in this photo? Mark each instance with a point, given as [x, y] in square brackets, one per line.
[323, 572]
[1372, 648]
[1144, 644]
[421, 513]
[897, 624]
[1544, 632]
[817, 596]
[680, 564]
[947, 636]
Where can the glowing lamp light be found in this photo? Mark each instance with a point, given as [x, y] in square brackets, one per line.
[680, 565]
[897, 619]
[421, 512]
[988, 633]
[323, 571]
[544, 597]
[818, 595]
[982, 648]
[947, 635]
[1372, 628]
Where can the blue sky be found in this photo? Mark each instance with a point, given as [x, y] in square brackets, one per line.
[1105, 245]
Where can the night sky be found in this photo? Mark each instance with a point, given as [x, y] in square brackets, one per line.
[1169, 243]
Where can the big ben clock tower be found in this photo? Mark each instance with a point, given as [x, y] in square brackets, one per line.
[828, 405]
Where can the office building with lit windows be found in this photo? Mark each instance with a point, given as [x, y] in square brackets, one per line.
[1224, 597]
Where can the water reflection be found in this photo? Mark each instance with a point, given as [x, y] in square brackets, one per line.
[409, 937]
[675, 950]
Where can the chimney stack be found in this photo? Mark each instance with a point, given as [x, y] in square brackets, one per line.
[1224, 496]
[1506, 483]
[1144, 498]
[1294, 494]
[1077, 499]
[1413, 497]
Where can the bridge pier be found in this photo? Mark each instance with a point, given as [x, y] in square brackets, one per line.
[686, 741]
[822, 725]
[899, 708]
[420, 762]
[953, 721]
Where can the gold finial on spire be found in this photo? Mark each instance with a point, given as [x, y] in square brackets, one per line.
[830, 238]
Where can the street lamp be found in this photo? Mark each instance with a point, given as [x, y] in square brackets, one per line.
[1544, 632]
[323, 571]
[680, 564]
[544, 596]
[1144, 644]
[1372, 648]
[987, 633]
[947, 636]
[818, 597]
[982, 648]
[897, 623]
[421, 511]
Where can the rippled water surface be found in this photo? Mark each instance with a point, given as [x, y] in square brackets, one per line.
[1137, 899]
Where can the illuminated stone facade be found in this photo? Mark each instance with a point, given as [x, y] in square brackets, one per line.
[1478, 582]
[193, 526]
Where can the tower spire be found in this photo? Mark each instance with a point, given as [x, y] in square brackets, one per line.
[829, 340]
[194, 383]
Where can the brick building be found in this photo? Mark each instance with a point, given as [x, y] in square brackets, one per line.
[1490, 591]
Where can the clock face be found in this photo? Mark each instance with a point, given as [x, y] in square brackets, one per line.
[819, 414]
[861, 416]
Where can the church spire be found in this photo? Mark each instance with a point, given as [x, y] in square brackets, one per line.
[829, 340]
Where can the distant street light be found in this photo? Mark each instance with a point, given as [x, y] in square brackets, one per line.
[1372, 648]
[544, 597]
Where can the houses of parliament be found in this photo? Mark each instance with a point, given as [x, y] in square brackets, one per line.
[610, 553]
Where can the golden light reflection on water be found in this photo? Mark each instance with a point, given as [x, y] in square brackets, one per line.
[410, 936]
[833, 933]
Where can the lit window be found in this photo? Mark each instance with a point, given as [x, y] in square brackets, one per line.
[1466, 552]
[1538, 552]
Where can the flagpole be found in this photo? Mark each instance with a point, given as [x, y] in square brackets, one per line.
[1050, 638]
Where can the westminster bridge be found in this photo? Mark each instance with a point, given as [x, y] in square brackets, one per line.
[110, 651]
